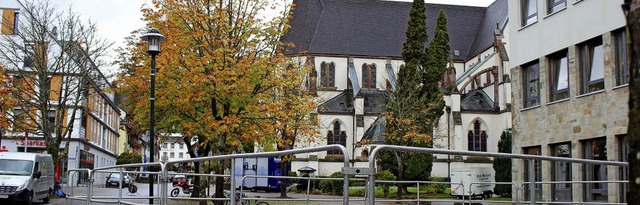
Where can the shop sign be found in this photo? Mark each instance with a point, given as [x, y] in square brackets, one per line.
[33, 143]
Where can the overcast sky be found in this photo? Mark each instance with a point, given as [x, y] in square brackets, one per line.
[117, 18]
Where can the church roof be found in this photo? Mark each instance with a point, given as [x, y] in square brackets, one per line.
[477, 100]
[375, 133]
[374, 103]
[377, 28]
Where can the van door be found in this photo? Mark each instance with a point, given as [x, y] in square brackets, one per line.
[35, 186]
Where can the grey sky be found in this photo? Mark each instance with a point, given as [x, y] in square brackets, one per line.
[117, 18]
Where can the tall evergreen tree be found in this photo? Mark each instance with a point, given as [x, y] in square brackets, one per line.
[407, 108]
[437, 52]
[503, 165]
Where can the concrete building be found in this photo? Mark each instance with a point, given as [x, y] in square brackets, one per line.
[94, 138]
[356, 45]
[174, 148]
[570, 94]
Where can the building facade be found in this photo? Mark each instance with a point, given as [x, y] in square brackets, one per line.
[359, 43]
[570, 94]
[94, 138]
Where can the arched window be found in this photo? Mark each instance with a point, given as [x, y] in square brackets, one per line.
[477, 138]
[369, 75]
[327, 74]
[336, 136]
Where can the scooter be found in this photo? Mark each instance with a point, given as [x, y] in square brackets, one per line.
[184, 185]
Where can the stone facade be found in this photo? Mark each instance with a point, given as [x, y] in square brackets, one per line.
[575, 120]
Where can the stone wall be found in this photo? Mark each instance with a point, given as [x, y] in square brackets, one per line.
[580, 117]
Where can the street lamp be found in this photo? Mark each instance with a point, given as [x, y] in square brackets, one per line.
[153, 39]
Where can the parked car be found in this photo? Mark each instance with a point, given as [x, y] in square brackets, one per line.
[178, 178]
[26, 177]
[114, 179]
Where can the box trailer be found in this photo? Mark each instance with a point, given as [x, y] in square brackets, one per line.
[473, 182]
[269, 166]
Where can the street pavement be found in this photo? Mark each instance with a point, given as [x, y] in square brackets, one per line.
[143, 190]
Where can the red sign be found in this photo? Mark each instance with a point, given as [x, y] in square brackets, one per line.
[35, 143]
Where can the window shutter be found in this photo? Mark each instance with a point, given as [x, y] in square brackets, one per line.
[56, 87]
[8, 21]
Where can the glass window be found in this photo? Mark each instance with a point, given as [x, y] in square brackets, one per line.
[172, 155]
[555, 5]
[537, 173]
[559, 76]
[477, 138]
[595, 149]
[561, 171]
[531, 79]
[173, 145]
[529, 12]
[622, 61]
[51, 118]
[623, 146]
[327, 74]
[181, 145]
[336, 136]
[180, 155]
[369, 75]
[592, 66]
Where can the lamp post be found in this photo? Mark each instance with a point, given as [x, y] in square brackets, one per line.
[153, 38]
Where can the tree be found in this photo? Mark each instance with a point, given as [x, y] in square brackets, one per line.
[129, 157]
[437, 52]
[7, 102]
[51, 57]
[502, 166]
[415, 104]
[221, 77]
[633, 27]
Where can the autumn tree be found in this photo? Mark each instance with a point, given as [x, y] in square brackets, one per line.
[633, 27]
[51, 56]
[7, 102]
[221, 78]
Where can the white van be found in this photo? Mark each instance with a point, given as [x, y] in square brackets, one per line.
[25, 177]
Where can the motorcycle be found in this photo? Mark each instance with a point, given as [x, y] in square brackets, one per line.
[184, 185]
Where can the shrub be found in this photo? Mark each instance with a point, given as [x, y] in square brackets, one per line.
[385, 175]
[332, 186]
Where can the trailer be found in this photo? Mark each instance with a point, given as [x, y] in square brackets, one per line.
[468, 182]
[268, 166]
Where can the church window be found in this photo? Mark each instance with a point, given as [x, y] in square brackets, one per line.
[369, 75]
[327, 74]
[336, 136]
[477, 138]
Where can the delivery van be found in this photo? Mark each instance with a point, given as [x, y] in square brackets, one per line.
[26, 177]
[473, 181]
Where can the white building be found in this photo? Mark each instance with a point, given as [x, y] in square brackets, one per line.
[368, 36]
[94, 139]
[570, 95]
[174, 148]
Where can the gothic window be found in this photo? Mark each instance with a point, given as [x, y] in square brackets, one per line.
[477, 138]
[369, 75]
[327, 74]
[336, 136]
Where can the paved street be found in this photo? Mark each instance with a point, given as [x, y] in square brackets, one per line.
[143, 192]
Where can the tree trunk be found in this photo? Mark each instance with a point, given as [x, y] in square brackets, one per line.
[401, 186]
[283, 182]
[220, 183]
[633, 28]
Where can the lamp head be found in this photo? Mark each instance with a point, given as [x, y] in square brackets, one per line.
[153, 39]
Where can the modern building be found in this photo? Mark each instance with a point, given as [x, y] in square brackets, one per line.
[570, 95]
[359, 43]
[94, 139]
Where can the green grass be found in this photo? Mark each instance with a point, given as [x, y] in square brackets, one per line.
[500, 199]
[393, 191]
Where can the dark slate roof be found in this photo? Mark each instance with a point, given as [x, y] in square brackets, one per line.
[374, 103]
[377, 28]
[375, 133]
[477, 100]
[496, 13]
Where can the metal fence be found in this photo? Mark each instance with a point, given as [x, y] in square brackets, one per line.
[162, 195]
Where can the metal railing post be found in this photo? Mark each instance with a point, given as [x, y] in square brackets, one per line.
[345, 187]
[232, 189]
[90, 190]
[418, 192]
[532, 179]
[122, 180]
[163, 183]
[308, 187]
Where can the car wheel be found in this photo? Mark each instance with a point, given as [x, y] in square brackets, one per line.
[48, 198]
[30, 199]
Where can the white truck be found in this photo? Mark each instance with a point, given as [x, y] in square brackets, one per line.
[473, 182]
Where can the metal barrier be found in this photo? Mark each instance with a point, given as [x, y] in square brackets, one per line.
[573, 182]
[308, 199]
[369, 172]
[232, 157]
[531, 158]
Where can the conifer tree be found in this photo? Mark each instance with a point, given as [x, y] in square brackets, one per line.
[502, 166]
